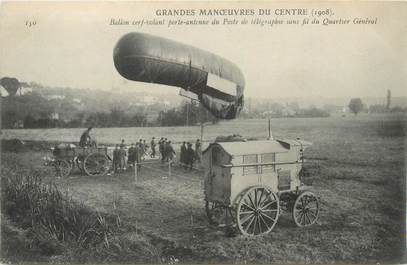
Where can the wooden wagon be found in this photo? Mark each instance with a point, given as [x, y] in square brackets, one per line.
[248, 184]
[94, 161]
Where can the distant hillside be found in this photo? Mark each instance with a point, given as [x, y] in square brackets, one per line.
[36, 106]
[47, 107]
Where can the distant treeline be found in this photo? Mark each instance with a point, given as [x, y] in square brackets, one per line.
[383, 109]
[312, 112]
[188, 114]
[292, 110]
[35, 111]
[114, 118]
[69, 108]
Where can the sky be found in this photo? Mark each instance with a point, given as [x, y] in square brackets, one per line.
[72, 44]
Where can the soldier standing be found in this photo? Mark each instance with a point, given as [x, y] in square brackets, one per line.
[198, 150]
[152, 143]
[131, 159]
[122, 143]
[190, 156]
[116, 158]
[145, 147]
[123, 146]
[161, 148]
[169, 152]
[122, 158]
[142, 149]
[182, 154]
[137, 155]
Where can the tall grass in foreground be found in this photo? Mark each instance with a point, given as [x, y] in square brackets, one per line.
[43, 207]
[58, 225]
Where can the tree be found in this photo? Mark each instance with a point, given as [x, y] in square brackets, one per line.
[388, 99]
[30, 122]
[139, 119]
[377, 108]
[116, 117]
[11, 84]
[276, 110]
[355, 105]
[294, 106]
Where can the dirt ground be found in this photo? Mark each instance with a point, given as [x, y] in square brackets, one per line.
[361, 193]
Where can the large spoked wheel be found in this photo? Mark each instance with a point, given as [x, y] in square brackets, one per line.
[219, 214]
[257, 211]
[62, 168]
[306, 209]
[96, 164]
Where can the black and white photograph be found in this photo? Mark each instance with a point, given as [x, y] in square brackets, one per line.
[203, 132]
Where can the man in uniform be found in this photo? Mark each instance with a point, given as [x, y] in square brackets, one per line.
[85, 139]
[122, 158]
[137, 155]
[131, 156]
[161, 148]
[142, 149]
[124, 147]
[122, 144]
[198, 150]
[152, 143]
[182, 155]
[169, 152]
[145, 147]
[190, 156]
[116, 165]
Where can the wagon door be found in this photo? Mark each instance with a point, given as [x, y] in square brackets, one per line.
[219, 176]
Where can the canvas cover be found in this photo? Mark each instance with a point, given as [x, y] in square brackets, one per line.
[250, 147]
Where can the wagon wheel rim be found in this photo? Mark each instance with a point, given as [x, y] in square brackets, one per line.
[218, 214]
[95, 164]
[306, 209]
[258, 211]
[62, 168]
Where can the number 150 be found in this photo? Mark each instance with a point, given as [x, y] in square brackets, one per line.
[30, 23]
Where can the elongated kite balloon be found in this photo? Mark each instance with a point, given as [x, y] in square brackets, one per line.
[217, 82]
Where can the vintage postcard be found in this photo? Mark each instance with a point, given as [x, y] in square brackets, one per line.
[174, 132]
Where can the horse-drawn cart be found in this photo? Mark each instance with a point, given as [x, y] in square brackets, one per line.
[94, 161]
[248, 184]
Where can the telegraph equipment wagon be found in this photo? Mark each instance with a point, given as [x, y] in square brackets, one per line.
[94, 161]
[248, 184]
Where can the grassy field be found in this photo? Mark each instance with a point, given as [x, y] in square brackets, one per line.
[310, 128]
[359, 173]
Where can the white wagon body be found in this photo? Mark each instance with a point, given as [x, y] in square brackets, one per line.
[239, 172]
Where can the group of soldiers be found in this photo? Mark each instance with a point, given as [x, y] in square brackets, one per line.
[188, 155]
[124, 158]
[167, 152]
